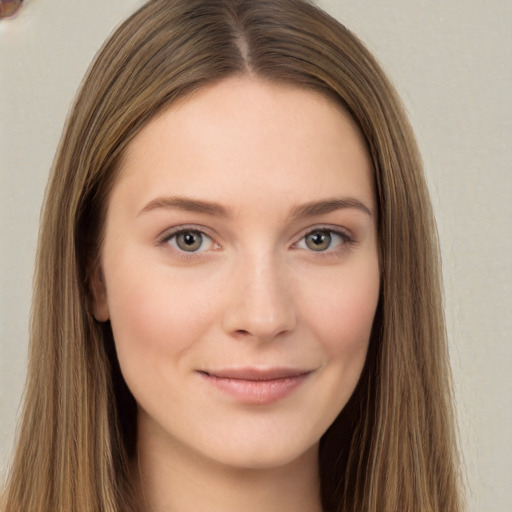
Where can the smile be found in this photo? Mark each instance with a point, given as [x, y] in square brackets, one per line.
[256, 386]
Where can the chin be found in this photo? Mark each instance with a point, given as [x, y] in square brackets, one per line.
[266, 457]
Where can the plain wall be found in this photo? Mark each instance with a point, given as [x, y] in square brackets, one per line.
[450, 60]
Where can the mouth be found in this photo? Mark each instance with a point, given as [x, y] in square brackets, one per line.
[255, 385]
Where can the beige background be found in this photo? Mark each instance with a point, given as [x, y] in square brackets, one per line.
[451, 62]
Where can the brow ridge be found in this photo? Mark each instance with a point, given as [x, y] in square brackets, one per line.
[323, 207]
[310, 209]
[187, 204]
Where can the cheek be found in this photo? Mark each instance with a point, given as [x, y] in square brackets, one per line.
[342, 315]
[155, 317]
[344, 312]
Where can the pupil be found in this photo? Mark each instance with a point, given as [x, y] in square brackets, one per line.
[318, 241]
[189, 241]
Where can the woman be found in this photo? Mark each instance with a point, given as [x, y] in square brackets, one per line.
[237, 299]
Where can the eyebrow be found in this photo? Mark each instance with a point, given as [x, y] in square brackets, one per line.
[310, 209]
[187, 204]
[330, 205]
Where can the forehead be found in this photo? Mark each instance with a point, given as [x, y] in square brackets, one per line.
[243, 135]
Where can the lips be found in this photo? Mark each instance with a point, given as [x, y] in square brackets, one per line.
[256, 385]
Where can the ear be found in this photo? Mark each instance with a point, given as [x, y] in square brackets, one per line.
[99, 305]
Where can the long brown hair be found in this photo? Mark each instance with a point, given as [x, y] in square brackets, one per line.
[392, 448]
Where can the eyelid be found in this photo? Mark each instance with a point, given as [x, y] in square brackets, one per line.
[175, 230]
[168, 234]
[344, 233]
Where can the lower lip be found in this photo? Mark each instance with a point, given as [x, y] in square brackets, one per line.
[259, 392]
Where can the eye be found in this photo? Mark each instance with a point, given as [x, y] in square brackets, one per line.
[322, 240]
[190, 240]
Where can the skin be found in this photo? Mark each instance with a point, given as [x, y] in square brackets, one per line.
[264, 290]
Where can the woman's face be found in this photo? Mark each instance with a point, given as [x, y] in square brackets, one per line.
[240, 272]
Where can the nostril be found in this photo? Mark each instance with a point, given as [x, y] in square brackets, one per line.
[9, 8]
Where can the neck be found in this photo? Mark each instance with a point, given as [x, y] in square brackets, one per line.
[176, 479]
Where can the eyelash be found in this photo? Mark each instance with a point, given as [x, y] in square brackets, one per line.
[346, 240]
[174, 233]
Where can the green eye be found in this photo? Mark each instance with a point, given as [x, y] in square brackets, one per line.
[319, 240]
[189, 241]
[325, 240]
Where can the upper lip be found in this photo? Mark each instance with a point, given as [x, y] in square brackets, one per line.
[256, 374]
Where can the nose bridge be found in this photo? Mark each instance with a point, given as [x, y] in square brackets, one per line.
[261, 304]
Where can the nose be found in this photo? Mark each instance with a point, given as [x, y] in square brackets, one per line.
[260, 304]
